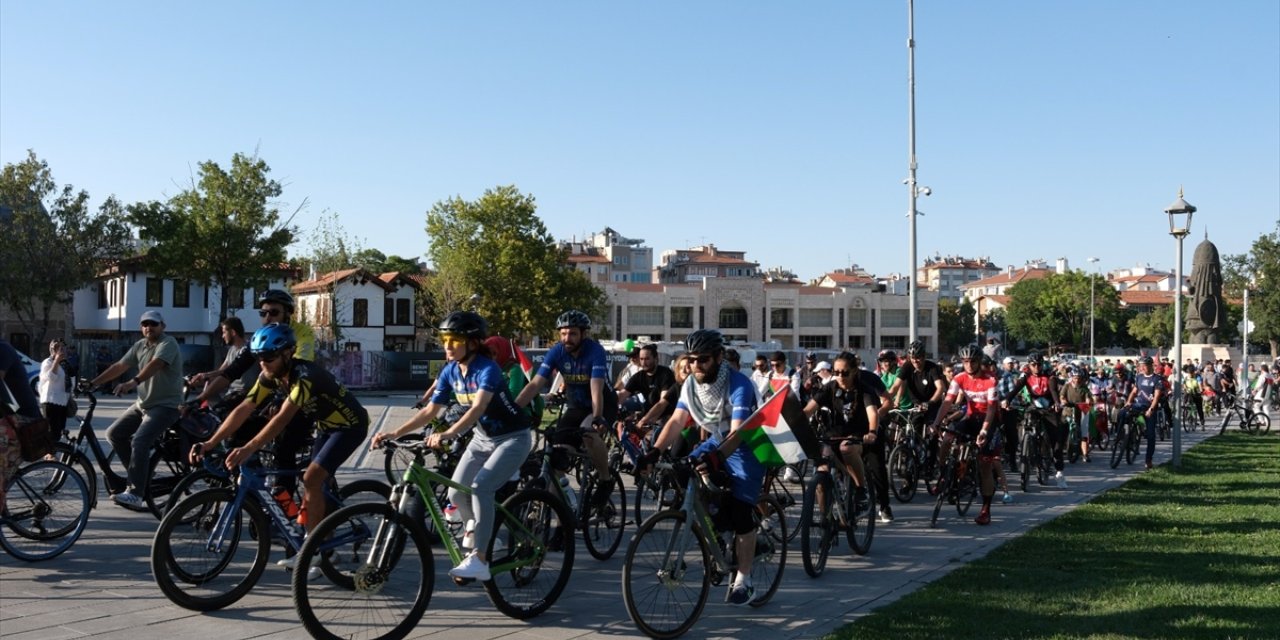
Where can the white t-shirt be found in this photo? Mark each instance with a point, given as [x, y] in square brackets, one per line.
[53, 383]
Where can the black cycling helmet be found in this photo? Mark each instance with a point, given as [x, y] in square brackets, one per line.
[1034, 358]
[988, 361]
[704, 342]
[272, 338]
[465, 323]
[887, 355]
[966, 352]
[916, 349]
[1147, 360]
[573, 318]
[278, 296]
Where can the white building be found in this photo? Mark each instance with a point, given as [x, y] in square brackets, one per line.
[356, 310]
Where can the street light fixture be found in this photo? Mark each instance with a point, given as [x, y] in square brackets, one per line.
[1092, 359]
[1179, 226]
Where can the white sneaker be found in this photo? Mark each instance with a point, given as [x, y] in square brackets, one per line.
[130, 500]
[1007, 499]
[291, 562]
[1061, 479]
[471, 568]
[790, 475]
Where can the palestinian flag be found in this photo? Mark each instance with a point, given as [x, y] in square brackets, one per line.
[778, 432]
[525, 363]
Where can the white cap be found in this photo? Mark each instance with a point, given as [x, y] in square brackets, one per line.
[151, 315]
[1010, 360]
[823, 366]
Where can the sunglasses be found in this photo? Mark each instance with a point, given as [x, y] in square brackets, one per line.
[263, 313]
[779, 364]
[269, 357]
[150, 323]
[701, 359]
[841, 372]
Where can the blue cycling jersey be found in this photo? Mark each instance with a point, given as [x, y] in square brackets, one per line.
[578, 371]
[502, 416]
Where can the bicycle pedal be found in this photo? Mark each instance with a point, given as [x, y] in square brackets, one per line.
[462, 582]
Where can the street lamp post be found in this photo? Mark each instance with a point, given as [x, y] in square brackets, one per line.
[1092, 359]
[1179, 226]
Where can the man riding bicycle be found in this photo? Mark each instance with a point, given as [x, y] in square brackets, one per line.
[854, 416]
[1143, 398]
[1042, 385]
[979, 392]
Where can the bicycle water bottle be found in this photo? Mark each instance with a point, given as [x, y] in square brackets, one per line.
[285, 499]
[451, 514]
[569, 495]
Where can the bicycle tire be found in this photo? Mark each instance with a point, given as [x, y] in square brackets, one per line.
[190, 573]
[602, 526]
[387, 597]
[397, 460]
[67, 454]
[770, 559]
[944, 490]
[903, 479]
[817, 530]
[653, 496]
[164, 472]
[199, 480]
[1131, 444]
[1119, 445]
[528, 530]
[1024, 462]
[1259, 424]
[42, 493]
[786, 497]
[651, 580]
[1073, 442]
[862, 525]
[967, 490]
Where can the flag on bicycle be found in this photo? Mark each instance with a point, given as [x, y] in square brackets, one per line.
[778, 432]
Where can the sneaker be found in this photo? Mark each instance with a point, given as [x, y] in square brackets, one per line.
[471, 568]
[740, 593]
[602, 493]
[984, 517]
[789, 475]
[1061, 479]
[129, 500]
[886, 515]
[1006, 498]
[1086, 458]
[1148, 465]
[291, 562]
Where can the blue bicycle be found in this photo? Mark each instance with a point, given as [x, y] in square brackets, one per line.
[212, 547]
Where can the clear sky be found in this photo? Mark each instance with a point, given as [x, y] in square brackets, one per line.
[1045, 128]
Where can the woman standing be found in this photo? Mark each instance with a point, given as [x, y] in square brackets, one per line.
[54, 396]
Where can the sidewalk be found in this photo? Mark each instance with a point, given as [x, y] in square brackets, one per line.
[102, 587]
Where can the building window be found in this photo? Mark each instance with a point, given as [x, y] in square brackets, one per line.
[815, 317]
[897, 343]
[640, 276]
[733, 337]
[644, 315]
[924, 318]
[388, 311]
[855, 342]
[181, 293]
[155, 292]
[894, 318]
[681, 317]
[102, 295]
[857, 317]
[780, 319]
[403, 315]
[621, 260]
[360, 312]
[814, 342]
[733, 318]
[234, 297]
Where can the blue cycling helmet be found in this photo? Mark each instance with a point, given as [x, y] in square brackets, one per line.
[272, 338]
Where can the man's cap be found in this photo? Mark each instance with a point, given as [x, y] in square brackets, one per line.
[823, 366]
[1010, 360]
[153, 315]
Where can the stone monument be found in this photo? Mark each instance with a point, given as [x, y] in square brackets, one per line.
[1207, 314]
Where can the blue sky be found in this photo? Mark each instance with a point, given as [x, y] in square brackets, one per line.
[1045, 129]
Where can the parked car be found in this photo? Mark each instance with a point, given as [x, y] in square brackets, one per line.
[33, 371]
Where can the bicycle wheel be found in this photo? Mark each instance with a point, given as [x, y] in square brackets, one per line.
[1043, 459]
[1024, 461]
[205, 558]
[944, 490]
[165, 472]
[193, 483]
[530, 554]
[604, 521]
[391, 588]
[902, 473]
[1073, 442]
[791, 498]
[1132, 444]
[771, 551]
[1259, 423]
[967, 489]
[1119, 445]
[862, 524]
[817, 525]
[46, 510]
[67, 454]
[666, 575]
[397, 460]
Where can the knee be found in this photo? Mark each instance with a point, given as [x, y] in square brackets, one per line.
[314, 477]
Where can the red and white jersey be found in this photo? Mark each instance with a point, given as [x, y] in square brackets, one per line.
[979, 391]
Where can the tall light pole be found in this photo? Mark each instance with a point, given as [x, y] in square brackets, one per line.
[1092, 360]
[912, 186]
[1179, 226]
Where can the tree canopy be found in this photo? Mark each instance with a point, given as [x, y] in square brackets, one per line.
[225, 228]
[955, 324]
[1055, 309]
[52, 244]
[494, 255]
[1259, 269]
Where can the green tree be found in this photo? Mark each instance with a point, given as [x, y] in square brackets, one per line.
[330, 249]
[1154, 328]
[494, 254]
[1055, 309]
[52, 243]
[1260, 271]
[224, 229]
[955, 324]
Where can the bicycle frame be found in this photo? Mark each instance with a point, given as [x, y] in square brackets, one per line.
[695, 512]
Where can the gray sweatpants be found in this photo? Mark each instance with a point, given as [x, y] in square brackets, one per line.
[485, 466]
[132, 436]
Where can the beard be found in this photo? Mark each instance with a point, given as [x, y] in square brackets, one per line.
[709, 376]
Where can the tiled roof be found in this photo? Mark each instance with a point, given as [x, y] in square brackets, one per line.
[326, 280]
[848, 279]
[1004, 277]
[1146, 298]
[585, 257]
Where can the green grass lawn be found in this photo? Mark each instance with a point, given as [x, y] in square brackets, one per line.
[1188, 554]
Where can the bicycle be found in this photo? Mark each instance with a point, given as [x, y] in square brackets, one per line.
[530, 559]
[166, 466]
[1127, 440]
[910, 459]
[677, 555]
[1250, 421]
[46, 510]
[959, 477]
[212, 547]
[833, 499]
[1033, 449]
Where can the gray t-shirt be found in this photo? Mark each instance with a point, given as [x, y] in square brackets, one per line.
[164, 389]
[244, 382]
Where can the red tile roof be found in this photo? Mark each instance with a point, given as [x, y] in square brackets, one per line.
[1146, 298]
[324, 281]
[1004, 277]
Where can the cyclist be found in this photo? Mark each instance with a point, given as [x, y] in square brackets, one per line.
[591, 403]
[1193, 391]
[1002, 481]
[648, 383]
[19, 407]
[1009, 414]
[921, 381]
[854, 415]
[1143, 397]
[502, 440]
[1042, 386]
[718, 399]
[159, 386]
[1076, 399]
[979, 393]
[311, 391]
[274, 306]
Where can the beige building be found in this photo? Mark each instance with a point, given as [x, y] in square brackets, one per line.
[947, 275]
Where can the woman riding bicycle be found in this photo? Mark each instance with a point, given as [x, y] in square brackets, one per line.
[502, 440]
